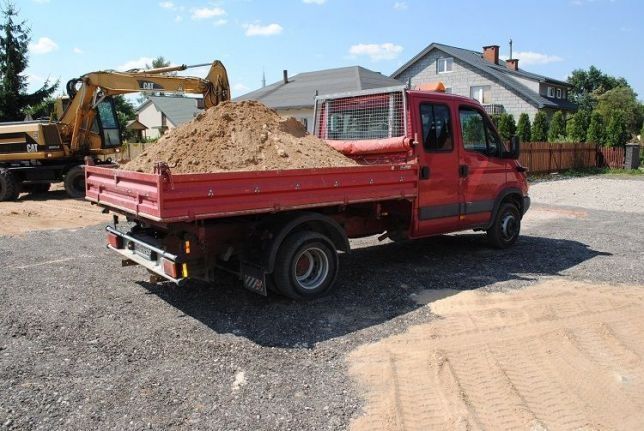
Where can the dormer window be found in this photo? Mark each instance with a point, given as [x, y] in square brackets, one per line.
[551, 92]
[558, 93]
[444, 65]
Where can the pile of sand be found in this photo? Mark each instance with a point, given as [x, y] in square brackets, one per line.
[238, 136]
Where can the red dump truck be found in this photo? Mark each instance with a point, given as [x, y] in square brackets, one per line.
[429, 163]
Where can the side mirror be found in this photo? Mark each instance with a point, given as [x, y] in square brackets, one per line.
[515, 149]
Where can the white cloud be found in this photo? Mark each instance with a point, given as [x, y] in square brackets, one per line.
[221, 22]
[529, 57]
[78, 51]
[43, 46]
[167, 5]
[400, 5]
[41, 1]
[377, 52]
[139, 63]
[263, 30]
[314, 1]
[178, 18]
[205, 12]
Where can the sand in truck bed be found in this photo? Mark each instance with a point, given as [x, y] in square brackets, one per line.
[238, 136]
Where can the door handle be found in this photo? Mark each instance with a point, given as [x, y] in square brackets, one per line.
[463, 171]
[424, 173]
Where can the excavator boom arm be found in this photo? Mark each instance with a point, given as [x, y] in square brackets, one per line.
[78, 117]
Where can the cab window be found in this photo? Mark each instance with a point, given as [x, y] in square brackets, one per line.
[437, 127]
[478, 134]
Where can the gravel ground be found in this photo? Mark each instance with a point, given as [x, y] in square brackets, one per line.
[85, 344]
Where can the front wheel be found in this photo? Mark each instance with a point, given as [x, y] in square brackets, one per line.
[507, 225]
[306, 266]
[9, 186]
[75, 182]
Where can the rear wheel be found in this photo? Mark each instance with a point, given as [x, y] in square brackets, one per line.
[9, 186]
[306, 266]
[506, 228]
[75, 182]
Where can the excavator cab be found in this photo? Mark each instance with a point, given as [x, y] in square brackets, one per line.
[106, 124]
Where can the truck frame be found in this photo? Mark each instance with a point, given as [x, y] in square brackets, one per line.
[429, 163]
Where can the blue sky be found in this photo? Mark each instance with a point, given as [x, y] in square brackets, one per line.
[551, 37]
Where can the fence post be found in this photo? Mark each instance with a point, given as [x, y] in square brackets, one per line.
[632, 156]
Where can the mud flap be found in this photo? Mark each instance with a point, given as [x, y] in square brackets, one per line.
[253, 278]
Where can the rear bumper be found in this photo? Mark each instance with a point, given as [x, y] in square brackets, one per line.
[155, 262]
[526, 204]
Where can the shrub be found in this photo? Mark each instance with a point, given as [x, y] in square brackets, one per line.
[540, 127]
[577, 126]
[523, 128]
[642, 137]
[595, 132]
[616, 133]
[557, 131]
[507, 127]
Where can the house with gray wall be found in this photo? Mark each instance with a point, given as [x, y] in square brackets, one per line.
[500, 86]
[294, 96]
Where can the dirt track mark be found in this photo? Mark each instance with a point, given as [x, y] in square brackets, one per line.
[558, 355]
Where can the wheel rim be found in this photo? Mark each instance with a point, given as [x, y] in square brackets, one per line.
[509, 226]
[311, 268]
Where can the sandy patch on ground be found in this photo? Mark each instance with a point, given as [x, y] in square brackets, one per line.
[558, 355]
[52, 210]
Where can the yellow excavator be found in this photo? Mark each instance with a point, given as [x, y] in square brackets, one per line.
[34, 154]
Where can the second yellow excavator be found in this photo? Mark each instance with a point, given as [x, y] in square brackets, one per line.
[34, 154]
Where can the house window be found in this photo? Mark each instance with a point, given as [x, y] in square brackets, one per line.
[551, 92]
[481, 93]
[444, 65]
[558, 93]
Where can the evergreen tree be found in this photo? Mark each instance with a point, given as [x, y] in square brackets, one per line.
[523, 128]
[577, 126]
[14, 41]
[557, 129]
[595, 132]
[616, 133]
[507, 127]
[540, 127]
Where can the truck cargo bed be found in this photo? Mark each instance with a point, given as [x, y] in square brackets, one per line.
[188, 197]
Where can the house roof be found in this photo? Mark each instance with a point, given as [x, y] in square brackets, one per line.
[135, 125]
[177, 109]
[301, 89]
[500, 73]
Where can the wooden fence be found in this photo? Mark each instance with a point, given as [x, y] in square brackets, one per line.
[546, 157]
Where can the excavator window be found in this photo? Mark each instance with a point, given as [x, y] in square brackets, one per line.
[107, 124]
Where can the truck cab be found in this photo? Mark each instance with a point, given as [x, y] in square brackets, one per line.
[466, 172]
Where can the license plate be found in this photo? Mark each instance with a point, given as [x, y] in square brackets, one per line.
[144, 252]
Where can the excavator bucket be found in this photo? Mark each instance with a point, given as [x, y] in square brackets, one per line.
[218, 86]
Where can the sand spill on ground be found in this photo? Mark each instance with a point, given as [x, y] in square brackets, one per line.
[559, 355]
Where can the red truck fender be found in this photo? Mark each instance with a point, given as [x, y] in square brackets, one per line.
[513, 195]
[282, 225]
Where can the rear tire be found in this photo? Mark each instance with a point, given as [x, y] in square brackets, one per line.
[9, 186]
[75, 182]
[306, 266]
[506, 228]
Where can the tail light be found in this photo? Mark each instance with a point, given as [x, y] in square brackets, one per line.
[114, 240]
[170, 268]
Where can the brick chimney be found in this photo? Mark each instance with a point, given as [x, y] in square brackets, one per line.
[512, 63]
[491, 53]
